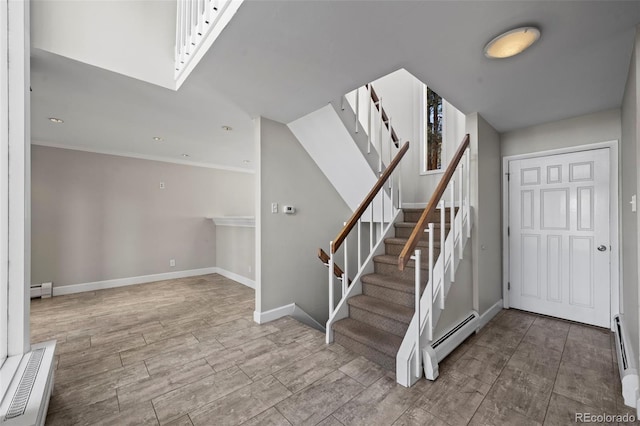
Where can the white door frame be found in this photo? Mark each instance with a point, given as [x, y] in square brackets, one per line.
[613, 214]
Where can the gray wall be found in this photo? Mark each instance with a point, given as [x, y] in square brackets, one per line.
[629, 186]
[98, 217]
[235, 250]
[486, 233]
[290, 271]
[585, 129]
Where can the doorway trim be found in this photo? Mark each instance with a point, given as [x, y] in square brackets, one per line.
[614, 212]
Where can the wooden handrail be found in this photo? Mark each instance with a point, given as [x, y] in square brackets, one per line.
[370, 197]
[418, 231]
[324, 258]
[375, 98]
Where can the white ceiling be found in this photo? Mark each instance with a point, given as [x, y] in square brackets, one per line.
[284, 59]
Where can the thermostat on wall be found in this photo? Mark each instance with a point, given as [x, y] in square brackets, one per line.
[289, 209]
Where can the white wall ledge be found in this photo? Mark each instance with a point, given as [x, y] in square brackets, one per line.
[238, 221]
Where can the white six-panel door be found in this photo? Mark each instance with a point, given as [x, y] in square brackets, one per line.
[559, 242]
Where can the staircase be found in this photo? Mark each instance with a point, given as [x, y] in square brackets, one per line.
[379, 317]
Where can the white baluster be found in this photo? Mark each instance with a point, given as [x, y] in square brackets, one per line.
[453, 230]
[382, 213]
[417, 307]
[399, 189]
[207, 12]
[460, 189]
[369, 102]
[178, 30]
[389, 141]
[371, 229]
[345, 281]
[443, 250]
[200, 20]
[430, 306]
[468, 193]
[359, 244]
[331, 282]
[357, 108]
[380, 137]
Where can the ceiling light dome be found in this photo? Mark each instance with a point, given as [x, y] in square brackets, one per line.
[511, 42]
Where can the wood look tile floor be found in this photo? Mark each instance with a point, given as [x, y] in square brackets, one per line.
[187, 352]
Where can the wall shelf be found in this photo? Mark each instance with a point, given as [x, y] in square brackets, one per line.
[238, 221]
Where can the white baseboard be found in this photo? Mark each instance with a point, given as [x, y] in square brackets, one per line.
[273, 314]
[491, 312]
[292, 310]
[121, 282]
[237, 278]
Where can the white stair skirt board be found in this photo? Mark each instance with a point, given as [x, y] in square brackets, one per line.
[626, 362]
[292, 310]
[27, 399]
[121, 282]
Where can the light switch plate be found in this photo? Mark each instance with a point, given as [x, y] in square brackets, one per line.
[634, 205]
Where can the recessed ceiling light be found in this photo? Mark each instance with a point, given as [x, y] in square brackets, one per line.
[56, 120]
[157, 138]
[511, 42]
[186, 155]
[246, 161]
[227, 128]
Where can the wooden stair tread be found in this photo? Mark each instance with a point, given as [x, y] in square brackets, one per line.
[382, 307]
[367, 335]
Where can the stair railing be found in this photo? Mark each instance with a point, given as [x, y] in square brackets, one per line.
[378, 192]
[195, 21]
[382, 137]
[432, 290]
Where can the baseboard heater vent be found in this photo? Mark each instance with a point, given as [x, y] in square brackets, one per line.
[453, 331]
[43, 290]
[21, 397]
[443, 346]
[626, 362]
[26, 400]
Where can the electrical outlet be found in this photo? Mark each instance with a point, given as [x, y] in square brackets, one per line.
[274, 207]
[172, 262]
[162, 185]
[250, 269]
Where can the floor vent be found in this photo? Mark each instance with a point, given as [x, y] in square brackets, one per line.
[21, 397]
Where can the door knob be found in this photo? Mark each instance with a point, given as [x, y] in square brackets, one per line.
[602, 248]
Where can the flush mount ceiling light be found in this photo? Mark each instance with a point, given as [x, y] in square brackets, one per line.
[246, 161]
[56, 120]
[227, 128]
[157, 138]
[186, 155]
[511, 43]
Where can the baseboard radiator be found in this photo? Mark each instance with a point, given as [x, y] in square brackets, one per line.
[27, 398]
[626, 362]
[43, 290]
[446, 344]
